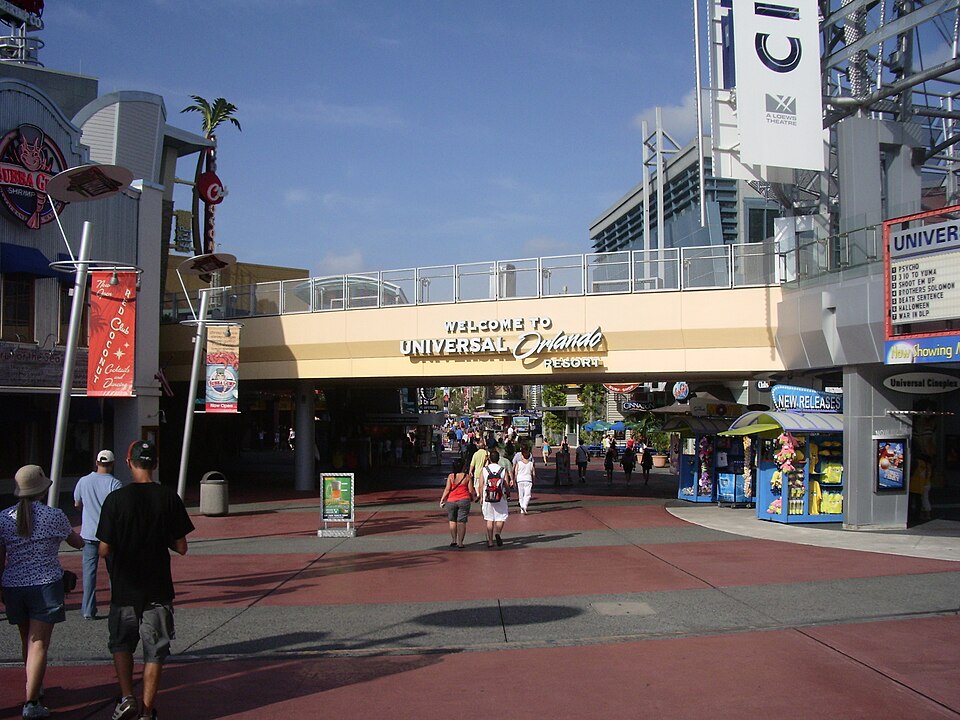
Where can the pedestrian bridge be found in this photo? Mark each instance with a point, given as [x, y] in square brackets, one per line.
[705, 312]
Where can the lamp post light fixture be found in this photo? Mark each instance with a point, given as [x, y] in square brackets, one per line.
[78, 184]
[202, 266]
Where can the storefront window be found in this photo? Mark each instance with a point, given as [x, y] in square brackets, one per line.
[16, 307]
[66, 304]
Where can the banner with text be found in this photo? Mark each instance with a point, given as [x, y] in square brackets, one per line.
[223, 369]
[778, 95]
[113, 323]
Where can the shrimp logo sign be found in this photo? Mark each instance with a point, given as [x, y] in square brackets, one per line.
[28, 159]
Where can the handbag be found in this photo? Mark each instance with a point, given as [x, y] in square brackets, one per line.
[69, 581]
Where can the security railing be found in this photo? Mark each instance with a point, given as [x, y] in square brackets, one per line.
[625, 272]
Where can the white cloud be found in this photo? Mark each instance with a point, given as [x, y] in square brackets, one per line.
[680, 121]
[340, 264]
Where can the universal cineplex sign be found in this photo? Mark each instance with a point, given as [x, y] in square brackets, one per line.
[535, 341]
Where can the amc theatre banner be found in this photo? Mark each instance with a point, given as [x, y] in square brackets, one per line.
[779, 105]
[113, 323]
[223, 369]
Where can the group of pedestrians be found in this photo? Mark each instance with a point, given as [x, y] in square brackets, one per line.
[133, 528]
[628, 460]
[488, 479]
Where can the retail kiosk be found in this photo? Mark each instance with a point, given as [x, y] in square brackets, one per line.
[799, 459]
[704, 458]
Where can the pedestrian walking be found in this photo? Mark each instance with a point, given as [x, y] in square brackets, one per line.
[562, 461]
[495, 493]
[478, 460]
[545, 452]
[457, 496]
[139, 525]
[525, 472]
[32, 580]
[583, 459]
[292, 438]
[628, 460]
[646, 462]
[88, 495]
[609, 460]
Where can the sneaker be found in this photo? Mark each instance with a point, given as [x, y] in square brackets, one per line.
[151, 716]
[126, 709]
[34, 710]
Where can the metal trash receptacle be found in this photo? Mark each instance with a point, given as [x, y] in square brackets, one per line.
[214, 495]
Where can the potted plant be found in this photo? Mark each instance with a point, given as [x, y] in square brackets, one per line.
[660, 442]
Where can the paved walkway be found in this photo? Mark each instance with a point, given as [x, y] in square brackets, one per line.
[603, 603]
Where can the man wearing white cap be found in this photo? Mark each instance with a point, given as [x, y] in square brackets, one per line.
[88, 495]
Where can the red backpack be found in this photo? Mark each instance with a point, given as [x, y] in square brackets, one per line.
[493, 490]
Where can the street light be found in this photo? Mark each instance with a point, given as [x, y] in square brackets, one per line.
[78, 184]
[202, 266]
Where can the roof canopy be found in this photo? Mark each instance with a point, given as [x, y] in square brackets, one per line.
[696, 425]
[756, 422]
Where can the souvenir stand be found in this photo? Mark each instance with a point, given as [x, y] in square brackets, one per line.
[703, 456]
[799, 466]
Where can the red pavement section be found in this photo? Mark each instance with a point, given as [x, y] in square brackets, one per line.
[436, 576]
[765, 562]
[748, 675]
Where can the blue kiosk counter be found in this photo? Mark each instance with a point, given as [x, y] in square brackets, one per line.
[798, 466]
[708, 464]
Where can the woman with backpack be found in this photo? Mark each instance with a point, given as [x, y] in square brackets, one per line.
[456, 498]
[496, 485]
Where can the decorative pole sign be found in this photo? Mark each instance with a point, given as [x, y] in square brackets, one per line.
[223, 369]
[336, 504]
[113, 323]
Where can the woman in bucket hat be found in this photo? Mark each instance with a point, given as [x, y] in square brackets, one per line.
[30, 537]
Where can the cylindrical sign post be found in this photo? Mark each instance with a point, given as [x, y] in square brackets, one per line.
[192, 394]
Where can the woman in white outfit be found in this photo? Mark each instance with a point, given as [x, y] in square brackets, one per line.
[495, 511]
[525, 473]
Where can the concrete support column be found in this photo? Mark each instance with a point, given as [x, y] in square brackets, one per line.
[864, 415]
[304, 464]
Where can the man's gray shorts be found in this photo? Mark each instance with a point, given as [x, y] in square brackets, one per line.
[154, 628]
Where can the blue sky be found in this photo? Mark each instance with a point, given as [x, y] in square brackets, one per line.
[381, 135]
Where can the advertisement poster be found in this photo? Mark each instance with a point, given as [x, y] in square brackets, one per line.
[223, 369]
[113, 324]
[336, 499]
[891, 464]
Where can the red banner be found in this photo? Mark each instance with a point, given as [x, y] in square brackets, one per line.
[113, 323]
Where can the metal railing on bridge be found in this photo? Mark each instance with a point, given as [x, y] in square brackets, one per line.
[624, 272]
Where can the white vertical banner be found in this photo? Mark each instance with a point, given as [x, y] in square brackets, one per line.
[779, 104]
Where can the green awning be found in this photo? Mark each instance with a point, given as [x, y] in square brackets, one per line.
[753, 429]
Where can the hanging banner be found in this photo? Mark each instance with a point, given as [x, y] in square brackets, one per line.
[113, 323]
[779, 104]
[223, 369]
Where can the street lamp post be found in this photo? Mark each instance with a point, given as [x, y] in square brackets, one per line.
[78, 184]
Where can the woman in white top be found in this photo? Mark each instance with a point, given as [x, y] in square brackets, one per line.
[525, 473]
[494, 506]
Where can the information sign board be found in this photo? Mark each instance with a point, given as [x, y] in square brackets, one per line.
[336, 504]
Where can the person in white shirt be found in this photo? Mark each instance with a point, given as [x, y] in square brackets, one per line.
[494, 508]
[88, 496]
[525, 473]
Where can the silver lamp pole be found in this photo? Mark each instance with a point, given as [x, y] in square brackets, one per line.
[69, 362]
[192, 393]
[77, 184]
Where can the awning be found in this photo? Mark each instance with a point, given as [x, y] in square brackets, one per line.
[696, 425]
[757, 422]
[24, 259]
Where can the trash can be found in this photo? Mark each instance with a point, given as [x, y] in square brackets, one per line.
[214, 499]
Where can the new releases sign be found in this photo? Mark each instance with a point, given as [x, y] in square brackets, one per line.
[113, 322]
[779, 107]
[28, 159]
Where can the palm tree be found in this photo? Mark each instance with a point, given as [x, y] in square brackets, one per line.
[214, 116]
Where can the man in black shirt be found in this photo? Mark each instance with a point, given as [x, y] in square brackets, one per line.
[139, 525]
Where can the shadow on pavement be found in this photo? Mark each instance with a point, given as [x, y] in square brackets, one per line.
[496, 616]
